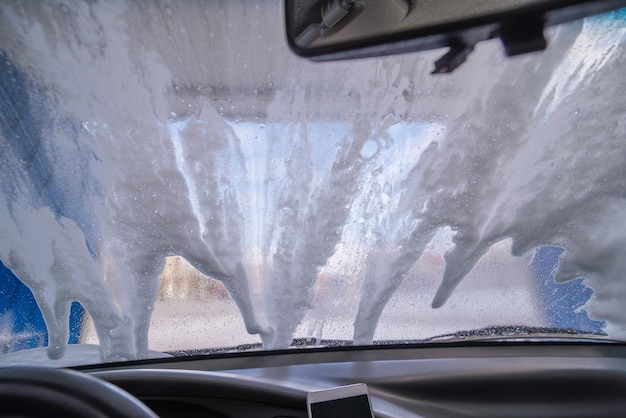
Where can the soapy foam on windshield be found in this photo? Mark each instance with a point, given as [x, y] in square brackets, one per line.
[334, 180]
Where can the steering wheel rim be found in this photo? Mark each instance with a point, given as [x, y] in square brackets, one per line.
[39, 391]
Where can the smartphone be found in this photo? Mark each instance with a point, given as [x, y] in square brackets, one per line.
[350, 401]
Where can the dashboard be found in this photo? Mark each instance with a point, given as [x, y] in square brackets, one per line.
[465, 380]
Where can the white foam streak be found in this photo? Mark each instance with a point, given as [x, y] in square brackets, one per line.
[188, 175]
[594, 47]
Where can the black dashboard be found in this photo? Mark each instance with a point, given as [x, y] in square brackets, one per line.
[471, 380]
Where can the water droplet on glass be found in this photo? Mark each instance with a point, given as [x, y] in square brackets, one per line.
[369, 149]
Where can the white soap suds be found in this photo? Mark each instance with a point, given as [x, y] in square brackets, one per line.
[262, 170]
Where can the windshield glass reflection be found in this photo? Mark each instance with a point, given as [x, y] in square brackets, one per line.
[337, 201]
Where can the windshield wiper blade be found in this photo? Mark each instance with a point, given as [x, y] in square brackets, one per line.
[489, 333]
[500, 332]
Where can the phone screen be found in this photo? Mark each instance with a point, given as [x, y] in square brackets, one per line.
[350, 407]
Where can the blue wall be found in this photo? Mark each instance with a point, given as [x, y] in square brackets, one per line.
[20, 316]
[561, 300]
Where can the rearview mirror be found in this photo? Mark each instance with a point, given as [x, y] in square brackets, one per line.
[325, 30]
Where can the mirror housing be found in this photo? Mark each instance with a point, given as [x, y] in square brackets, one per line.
[328, 30]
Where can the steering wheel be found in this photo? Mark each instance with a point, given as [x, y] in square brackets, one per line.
[38, 391]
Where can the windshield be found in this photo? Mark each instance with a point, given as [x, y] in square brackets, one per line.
[175, 180]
